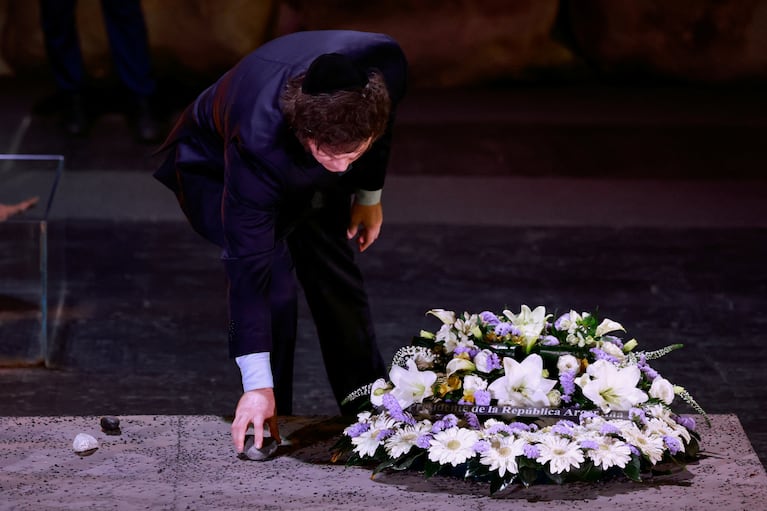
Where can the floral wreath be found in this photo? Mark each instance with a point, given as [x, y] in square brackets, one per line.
[516, 398]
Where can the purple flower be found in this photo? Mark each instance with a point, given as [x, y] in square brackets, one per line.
[517, 426]
[472, 420]
[395, 410]
[447, 422]
[384, 434]
[637, 415]
[496, 428]
[567, 380]
[615, 340]
[687, 422]
[531, 452]
[564, 428]
[601, 355]
[482, 397]
[489, 318]
[634, 450]
[423, 441]
[609, 429]
[673, 444]
[481, 446]
[502, 329]
[549, 340]
[589, 444]
[356, 430]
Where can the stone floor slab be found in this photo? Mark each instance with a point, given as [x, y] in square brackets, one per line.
[187, 462]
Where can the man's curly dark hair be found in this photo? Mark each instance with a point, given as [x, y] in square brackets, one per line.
[339, 121]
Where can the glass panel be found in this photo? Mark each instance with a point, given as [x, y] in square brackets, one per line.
[31, 275]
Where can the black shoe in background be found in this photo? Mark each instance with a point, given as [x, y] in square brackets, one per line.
[74, 117]
[146, 125]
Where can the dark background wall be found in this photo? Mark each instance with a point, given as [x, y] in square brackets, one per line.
[449, 43]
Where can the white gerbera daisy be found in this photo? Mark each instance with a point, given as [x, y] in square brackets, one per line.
[453, 446]
[610, 452]
[650, 445]
[367, 443]
[502, 454]
[404, 439]
[561, 453]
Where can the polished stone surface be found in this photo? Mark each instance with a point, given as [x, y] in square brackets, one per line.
[648, 204]
[183, 462]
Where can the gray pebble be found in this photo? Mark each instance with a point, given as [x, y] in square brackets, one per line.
[268, 448]
[110, 425]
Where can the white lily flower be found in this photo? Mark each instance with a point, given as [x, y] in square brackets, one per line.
[523, 383]
[529, 322]
[411, 385]
[611, 387]
[447, 317]
[607, 326]
[662, 389]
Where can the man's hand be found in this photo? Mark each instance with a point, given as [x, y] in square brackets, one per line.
[255, 407]
[365, 224]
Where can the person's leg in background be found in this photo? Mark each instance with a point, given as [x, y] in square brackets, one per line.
[62, 46]
[129, 43]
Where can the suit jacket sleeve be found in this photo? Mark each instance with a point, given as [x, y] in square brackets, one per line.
[248, 212]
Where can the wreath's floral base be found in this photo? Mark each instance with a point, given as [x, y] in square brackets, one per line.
[514, 398]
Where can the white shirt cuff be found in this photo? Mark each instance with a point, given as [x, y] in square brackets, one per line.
[256, 371]
[367, 197]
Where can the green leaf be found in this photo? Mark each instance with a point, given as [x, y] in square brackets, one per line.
[633, 469]
[407, 462]
[431, 468]
[528, 475]
[498, 483]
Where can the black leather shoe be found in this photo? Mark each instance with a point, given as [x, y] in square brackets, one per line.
[147, 127]
[74, 118]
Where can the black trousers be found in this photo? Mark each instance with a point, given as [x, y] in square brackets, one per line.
[317, 252]
[128, 41]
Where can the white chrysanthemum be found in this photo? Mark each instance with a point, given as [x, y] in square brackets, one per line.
[404, 438]
[523, 383]
[453, 446]
[611, 387]
[560, 453]
[502, 454]
[662, 389]
[568, 363]
[367, 443]
[411, 385]
[472, 383]
[650, 445]
[661, 428]
[610, 452]
[483, 361]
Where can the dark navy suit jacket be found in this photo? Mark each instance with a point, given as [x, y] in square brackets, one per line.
[240, 174]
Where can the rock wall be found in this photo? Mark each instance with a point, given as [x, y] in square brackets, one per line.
[448, 42]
